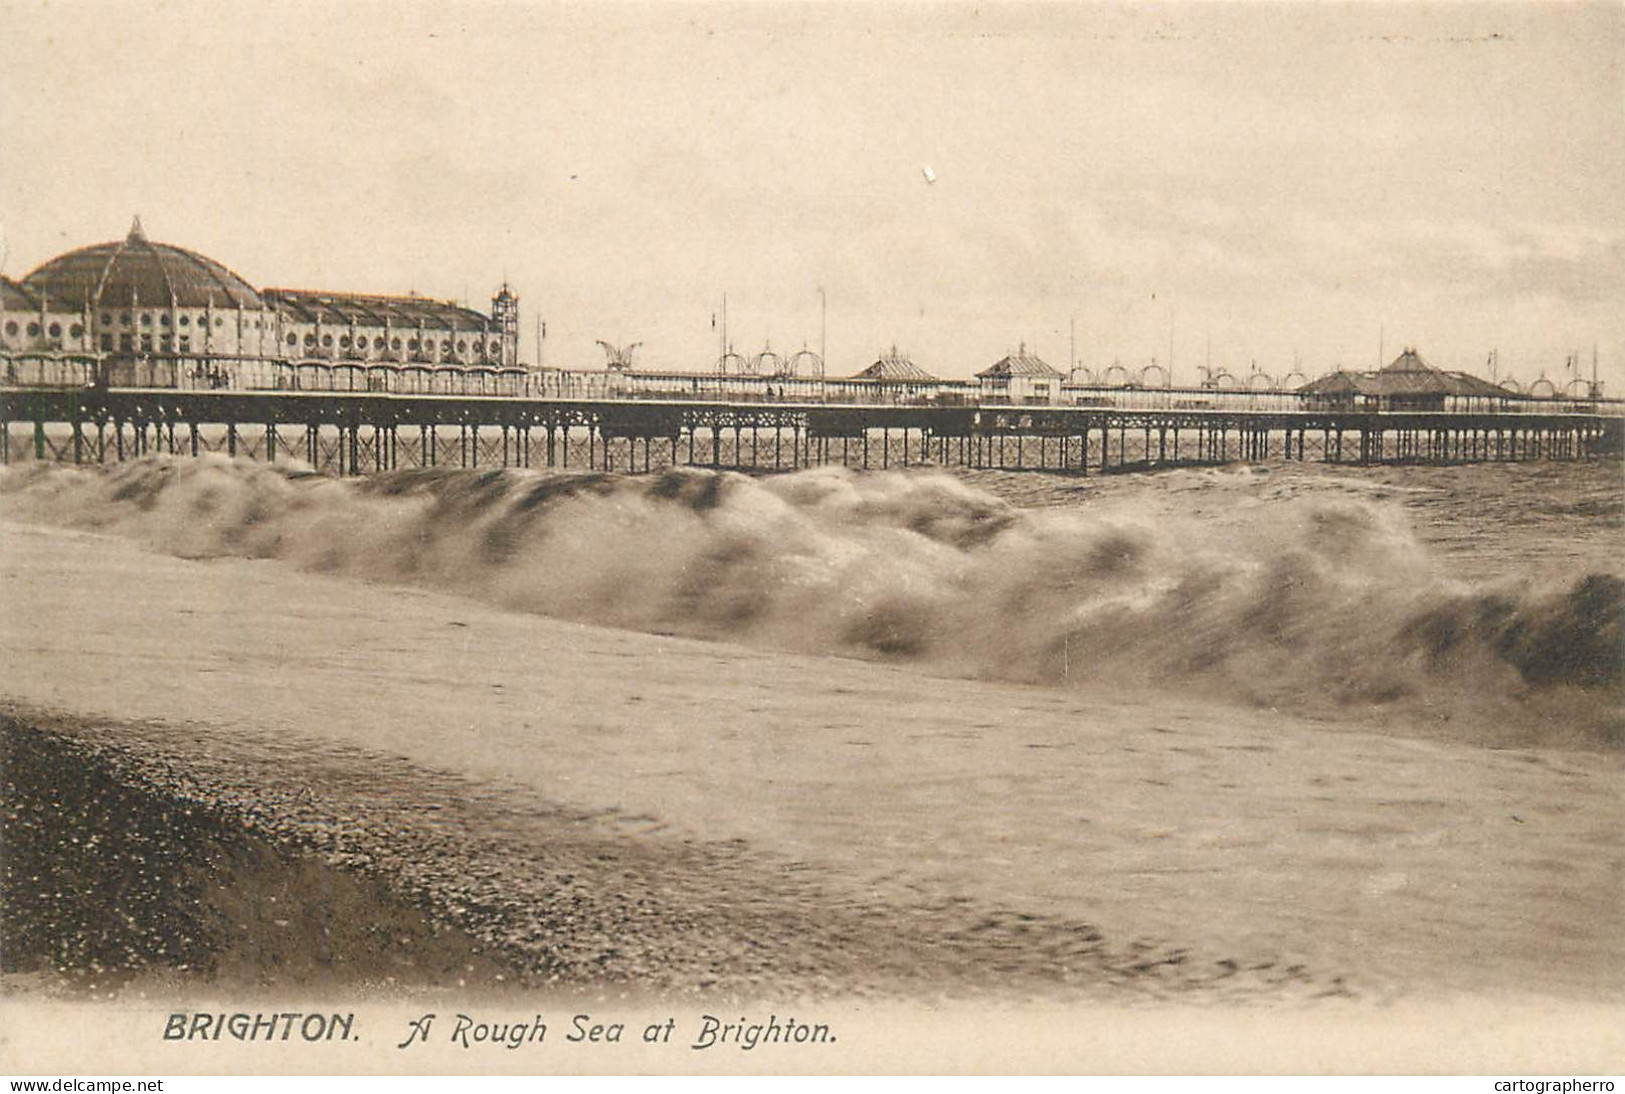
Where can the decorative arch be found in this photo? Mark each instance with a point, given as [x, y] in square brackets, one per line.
[767, 363]
[734, 364]
[804, 365]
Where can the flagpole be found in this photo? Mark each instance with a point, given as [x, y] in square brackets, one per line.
[823, 328]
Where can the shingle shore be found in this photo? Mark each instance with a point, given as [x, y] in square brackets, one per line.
[185, 848]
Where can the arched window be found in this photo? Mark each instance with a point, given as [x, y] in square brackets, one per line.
[310, 339]
[56, 330]
[107, 319]
[76, 331]
[186, 320]
[146, 319]
[394, 343]
[33, 330]
[327, 340]
[344, 342]
[163, 320]
[293, 339]
[124, 319]
[378, 343]
[11, 327]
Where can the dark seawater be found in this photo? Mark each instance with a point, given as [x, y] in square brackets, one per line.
[1505, 520]
[1482, 603]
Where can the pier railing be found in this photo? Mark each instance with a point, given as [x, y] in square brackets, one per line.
[330, 375]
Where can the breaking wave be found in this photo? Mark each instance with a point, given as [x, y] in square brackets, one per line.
[1321, 605]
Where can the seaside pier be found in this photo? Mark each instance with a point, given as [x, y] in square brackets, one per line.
[133, 346]
[360, 433]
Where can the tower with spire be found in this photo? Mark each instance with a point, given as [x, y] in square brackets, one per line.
[505, 316]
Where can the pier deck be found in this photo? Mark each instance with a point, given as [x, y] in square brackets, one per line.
[359, 433]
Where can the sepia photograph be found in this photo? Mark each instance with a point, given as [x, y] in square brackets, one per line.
[827, 538]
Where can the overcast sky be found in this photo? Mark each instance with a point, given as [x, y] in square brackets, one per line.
[1288, 181]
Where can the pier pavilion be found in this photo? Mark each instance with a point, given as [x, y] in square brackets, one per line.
[137, 299]
[1407, 383]
[1021, 379]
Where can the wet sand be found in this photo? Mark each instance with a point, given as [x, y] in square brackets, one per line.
[611, 807]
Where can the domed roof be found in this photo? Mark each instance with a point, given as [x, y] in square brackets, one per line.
[138, 270]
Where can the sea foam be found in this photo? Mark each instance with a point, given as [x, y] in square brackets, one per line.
[1319, 604]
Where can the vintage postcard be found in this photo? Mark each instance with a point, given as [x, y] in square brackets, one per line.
[812, 538]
